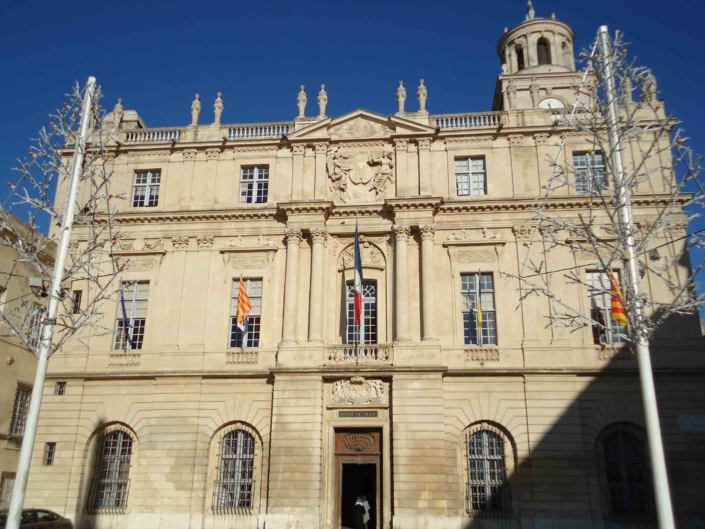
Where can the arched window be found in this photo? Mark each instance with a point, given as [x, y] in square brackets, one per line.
[111, 477]
[488, 489]
[625, 472]
[543, 51]
[367, 333]
[520, 57]
[235, 483]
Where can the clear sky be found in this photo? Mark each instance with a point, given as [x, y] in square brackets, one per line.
[157, 55]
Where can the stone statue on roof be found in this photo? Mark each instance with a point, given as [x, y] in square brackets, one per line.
[532, 13]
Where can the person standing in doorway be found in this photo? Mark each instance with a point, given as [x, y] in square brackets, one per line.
[359, 514]
[366, 505]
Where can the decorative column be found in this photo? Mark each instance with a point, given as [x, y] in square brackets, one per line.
[291, 285]
[315, 310]
[297, 180]
[321, 174]
[425, 166]
[428, 284]
[401, 285]
[403, 186]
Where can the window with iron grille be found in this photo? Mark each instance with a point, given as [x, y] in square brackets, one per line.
[111, 477]
[625, 465]
[7, 481]
[488, 488]
[76, 301]
[19, 410]
[470, 176]
[471, 285]
[60, 388]
[589, 171]
[131, 322]
[145, 193]
[254, 184]
[249, 339]
[234, 485]
[49, 453]
[367, 332]
[605, 329]
[33, 329]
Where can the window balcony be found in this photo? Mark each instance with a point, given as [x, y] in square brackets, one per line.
[366, 354]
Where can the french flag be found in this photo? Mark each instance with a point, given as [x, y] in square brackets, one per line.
[357, 281]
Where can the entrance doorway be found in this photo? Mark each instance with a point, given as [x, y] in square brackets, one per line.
[358, 472]
[359, 479]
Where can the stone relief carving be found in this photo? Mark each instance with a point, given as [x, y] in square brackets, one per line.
[319, 235]
[190, 154]
[462, 143]
[354, 175]
[293, 236]
[541, 139]
[298, 149]
[523, 232]
[73, 247]
[212, 154]
[249, 263]
[476, 256]
[359, 128]
[179, 243]
[401, 233]
[428, 231]
[204, 243]
[516, 140]
[139, 244]
[357, 391]
[534, 92]
[359, 442]
[466, 235]
[424, 143]
[136, 266]
[370, 254]
[264, 242]
[236, 242]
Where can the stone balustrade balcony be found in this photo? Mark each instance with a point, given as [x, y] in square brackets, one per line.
[362, 354]
[470, 120]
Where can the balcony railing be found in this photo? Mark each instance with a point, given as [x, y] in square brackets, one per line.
[154, 135]
[259, 130]
[245, 356]
[362, 354]
[470, 120]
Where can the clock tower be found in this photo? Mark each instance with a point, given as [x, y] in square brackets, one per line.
[538, 65]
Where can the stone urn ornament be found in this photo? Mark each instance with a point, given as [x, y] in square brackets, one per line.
[322, 101]
[218, 108]
[195, 110]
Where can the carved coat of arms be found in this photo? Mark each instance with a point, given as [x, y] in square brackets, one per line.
[360, 176]
[358, 391]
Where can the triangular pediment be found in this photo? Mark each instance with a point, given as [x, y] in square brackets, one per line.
[361, 125]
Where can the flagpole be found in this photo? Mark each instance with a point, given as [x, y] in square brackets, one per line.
[357, 343]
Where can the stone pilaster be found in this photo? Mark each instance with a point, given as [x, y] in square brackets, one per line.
[315, 319]
[428, 284]
[321, 174]
[403, 184]
[297, 191]
[291, 285]
[401, 286]
[425, 166]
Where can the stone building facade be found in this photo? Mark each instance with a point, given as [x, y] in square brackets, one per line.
[192, 423]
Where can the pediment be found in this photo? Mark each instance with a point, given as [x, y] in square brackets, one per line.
[361, 125]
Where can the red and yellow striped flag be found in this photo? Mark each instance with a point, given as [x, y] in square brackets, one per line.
[618, 312]
[243, 306]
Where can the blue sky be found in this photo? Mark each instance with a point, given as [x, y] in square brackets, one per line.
[157, 55]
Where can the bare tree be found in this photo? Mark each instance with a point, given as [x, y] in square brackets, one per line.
[29, 219]
[633, 193]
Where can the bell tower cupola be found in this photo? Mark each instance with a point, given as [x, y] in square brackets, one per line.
[537, 58]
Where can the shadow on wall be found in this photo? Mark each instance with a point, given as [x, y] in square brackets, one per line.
[588, 464]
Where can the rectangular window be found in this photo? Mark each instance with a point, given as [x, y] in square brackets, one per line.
[7, 481]
[471, 285]
[19, 410]
[131, 322]
[49, 453]
[589, 171]
[368, 331]
[145, 193]
[60, 388]
[605, 330]
[470, 176]
[254, 185]
[76, 301]
[250, 338]
[33, 326]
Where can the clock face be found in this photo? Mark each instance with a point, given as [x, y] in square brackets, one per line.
[551, 102]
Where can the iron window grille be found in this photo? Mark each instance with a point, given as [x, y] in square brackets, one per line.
[368, 332]
[605, 329]
[145, 193]
[249, 339]
[20, 410]
[136, 295]
[470, 176]
[469, 291]
[33, 330]
[60, 389]
[111, 477]
[489, 492]
[233, 491]
[76, 301]
[49, 453]
[625, 465]
[254, 184]
[7, 481]
[590, 176]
